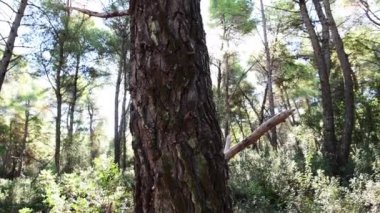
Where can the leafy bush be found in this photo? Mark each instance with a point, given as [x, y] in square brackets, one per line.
[92, 190]
[276, 182]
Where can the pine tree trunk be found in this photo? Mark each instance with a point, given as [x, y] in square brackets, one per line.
[179, 164]
[329, 145]
[93, 144]
[227, 112]
[269, 70]
[24, 139]
[117, 145]
[70, 133]
[58, 95]
[124, 116]
[349, 101]
[6, 59]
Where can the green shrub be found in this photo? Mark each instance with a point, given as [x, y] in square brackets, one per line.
[276, 182]
[90, 190]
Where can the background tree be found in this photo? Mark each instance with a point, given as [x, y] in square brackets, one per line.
[120, 45]
[233, 17]
[337, 153]
[10, 43]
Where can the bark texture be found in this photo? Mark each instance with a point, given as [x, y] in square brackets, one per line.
[6, 59]
[179, 164]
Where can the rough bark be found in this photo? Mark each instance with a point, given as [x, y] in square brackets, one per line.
[269, 70]
[179, 164]
[349, 102]
[329, 145]
[4, 63]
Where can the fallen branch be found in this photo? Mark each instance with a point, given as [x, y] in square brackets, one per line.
[98, 14]
[260, 131]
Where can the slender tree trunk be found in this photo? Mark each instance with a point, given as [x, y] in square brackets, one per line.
[179, 164]
[219, 91]
[329, 147]
[288, 106]
[349, 101]
[227, 74]
[124, 116]
[6, 59]
[58, 95]
[24, 138]
[117, 145]
[94, 146]
[325, 40]
[269, 70]
[70, 133]
[119, 126]
[262, 109]
[227, 115]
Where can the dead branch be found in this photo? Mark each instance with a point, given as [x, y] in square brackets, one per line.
[255, 136]
[100, 15]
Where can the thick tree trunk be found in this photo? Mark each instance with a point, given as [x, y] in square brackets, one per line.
[329, 147]
[179, 164]
[4, 63]
[349, 101]
[269, 70]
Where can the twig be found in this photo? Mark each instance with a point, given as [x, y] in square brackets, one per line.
[9, 6]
